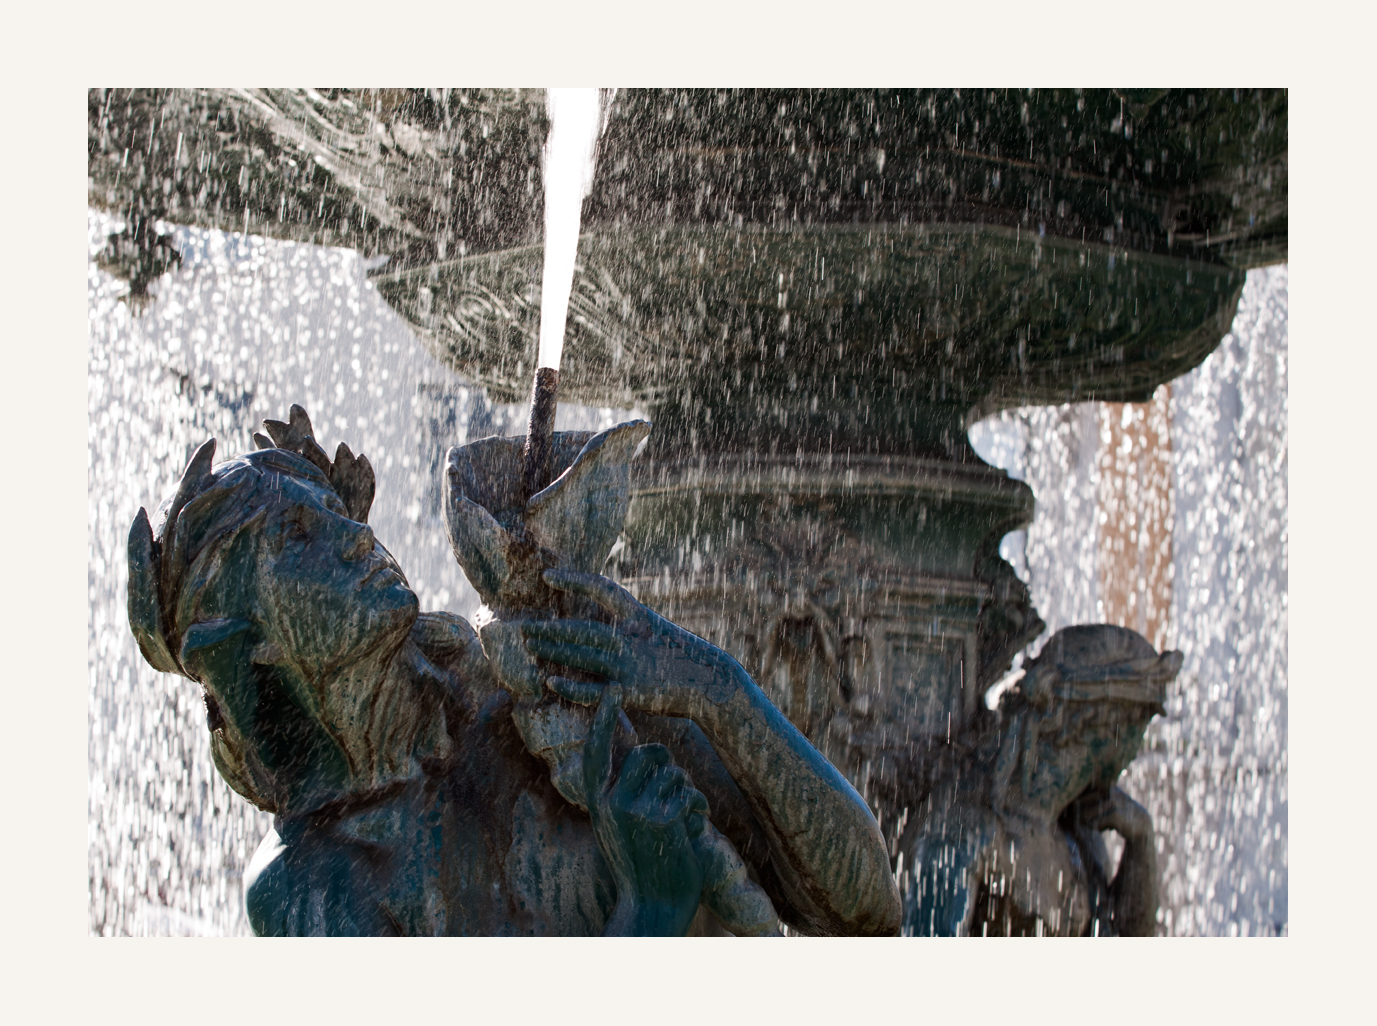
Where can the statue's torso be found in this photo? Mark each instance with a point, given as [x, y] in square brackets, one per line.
[977, 873]
[479, 844]
[481, 847]
[1033, 883]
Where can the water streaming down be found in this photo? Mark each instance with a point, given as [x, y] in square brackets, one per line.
[576, 116]
[1213, 771]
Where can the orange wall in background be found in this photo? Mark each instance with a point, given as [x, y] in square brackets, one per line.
[1135, 516]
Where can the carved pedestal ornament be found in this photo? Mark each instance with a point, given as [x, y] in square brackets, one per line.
[845, 586]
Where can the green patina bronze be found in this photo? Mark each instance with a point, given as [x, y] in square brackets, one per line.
[408, 763]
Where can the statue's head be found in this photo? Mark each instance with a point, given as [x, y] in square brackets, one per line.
[262, 581]
[1083, 706]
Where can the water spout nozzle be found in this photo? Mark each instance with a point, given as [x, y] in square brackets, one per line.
[540, 432]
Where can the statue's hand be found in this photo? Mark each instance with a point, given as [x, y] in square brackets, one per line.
[644, 819]
[1115, 811]
[663, 669]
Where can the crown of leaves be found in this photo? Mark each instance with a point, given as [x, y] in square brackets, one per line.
[153, 577]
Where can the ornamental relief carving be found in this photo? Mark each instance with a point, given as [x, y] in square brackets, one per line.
[864, 656]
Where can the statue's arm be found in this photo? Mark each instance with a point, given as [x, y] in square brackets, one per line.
[645, 816]
[731, 813]
[826, 851]
[1133, 893]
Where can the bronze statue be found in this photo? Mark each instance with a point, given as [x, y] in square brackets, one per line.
[408, 801]
[1008, 838]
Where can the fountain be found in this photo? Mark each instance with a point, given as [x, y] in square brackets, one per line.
[852, 277]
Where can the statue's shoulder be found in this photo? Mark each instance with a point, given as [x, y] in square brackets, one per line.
[451, 644]
[440, 632]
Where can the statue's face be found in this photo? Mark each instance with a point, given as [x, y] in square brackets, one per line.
[332, 594]
[1094, 745]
